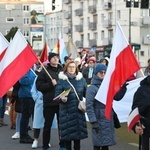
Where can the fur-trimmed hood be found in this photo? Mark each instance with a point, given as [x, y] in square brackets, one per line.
[62, 76]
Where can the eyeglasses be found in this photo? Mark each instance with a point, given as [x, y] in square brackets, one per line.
[71, 67]
[102, 72]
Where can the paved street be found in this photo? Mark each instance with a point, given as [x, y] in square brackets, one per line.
[125, 140]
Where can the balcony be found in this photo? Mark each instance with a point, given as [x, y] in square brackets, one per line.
[66, 1]
[79, 12]
[67, 15]
[79, 43]
[146, 20]
[92, 26]
[67, 30]
[107, 6]
[107, 24]
[92, 43]
[79, 28]
[92, 9]
[107, 41]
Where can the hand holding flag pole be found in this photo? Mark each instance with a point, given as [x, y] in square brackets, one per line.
[45, 69]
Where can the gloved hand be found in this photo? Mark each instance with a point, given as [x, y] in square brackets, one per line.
[64, 99]
[95, 126]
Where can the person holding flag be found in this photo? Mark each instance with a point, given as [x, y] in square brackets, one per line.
[103, 133]
[141, 100]
[46, 84]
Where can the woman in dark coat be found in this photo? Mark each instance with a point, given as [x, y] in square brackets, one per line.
[72, 120]
[103, 133]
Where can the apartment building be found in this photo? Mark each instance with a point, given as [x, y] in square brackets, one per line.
[91, 24]
[28, 16]
[53, 28]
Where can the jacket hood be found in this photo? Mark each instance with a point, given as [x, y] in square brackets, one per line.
[64, 77]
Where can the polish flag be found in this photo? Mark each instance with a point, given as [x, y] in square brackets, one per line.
[3, 45]
[121, 66]
[44, 54]
[17, 61]
[133, 118]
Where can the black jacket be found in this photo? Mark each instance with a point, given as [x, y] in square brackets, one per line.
[44, 84]
[142, 101]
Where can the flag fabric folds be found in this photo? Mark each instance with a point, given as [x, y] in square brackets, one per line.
[3, 45]
[121, 66]
[17, 61]
[72, 49]
[44, 54]
[133, 118]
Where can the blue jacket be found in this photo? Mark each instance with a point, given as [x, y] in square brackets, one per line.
[26, 83]
[72, 120]
[96, 113]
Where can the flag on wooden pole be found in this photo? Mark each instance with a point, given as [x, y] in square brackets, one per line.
[72, 49]
[17, 61]
[121, 66]
[44, 53]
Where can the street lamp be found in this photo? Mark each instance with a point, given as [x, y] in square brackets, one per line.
[148, 37]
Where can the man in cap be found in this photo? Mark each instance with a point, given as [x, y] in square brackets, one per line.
[47, 86]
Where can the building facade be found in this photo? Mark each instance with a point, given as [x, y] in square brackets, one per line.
[91, 24]
[28, 16]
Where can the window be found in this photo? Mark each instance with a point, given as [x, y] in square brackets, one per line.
[26, 21]
[82, 37]
[82, 21]
[26, 8]
[82, 5]
[10, 19]
[110, 33]
[26, 33]
[102, 34]
[102, 17]
[88, 20]
[110, 15]
[118, 14]
[88, 36]
[142, 53]
[95, 36]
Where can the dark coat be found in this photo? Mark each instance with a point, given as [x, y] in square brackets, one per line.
[96, 113]
[85, 73]
[72, 120]
[44, 84]
[142, 101]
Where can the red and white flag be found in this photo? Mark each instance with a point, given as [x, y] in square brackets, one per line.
[44, 53]
[121, 66]
[133, 118]
[3, 45]
[17, 61]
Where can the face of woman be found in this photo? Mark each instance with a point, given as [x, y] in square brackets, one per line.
[101, 74]
[71, 68]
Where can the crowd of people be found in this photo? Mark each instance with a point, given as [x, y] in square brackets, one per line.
[32, 97]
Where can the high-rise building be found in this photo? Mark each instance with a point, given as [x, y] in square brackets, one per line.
[91, 24]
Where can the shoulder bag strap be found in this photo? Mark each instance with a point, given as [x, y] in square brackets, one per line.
[74, 90]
